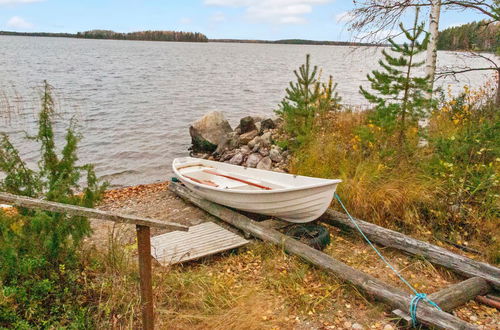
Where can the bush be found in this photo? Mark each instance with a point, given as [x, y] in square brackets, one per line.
[305, 100]
[39, 263]
[448, 189]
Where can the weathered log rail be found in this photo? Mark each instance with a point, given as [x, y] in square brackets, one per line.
[390, 238]
[372, 286]
[143, 239]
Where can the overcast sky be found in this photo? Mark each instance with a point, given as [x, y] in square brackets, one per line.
[240, 19]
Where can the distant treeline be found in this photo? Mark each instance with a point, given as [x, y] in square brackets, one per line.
[295, 42]
[479, 36]
[107, 34]
[177, 36]
[144, 35]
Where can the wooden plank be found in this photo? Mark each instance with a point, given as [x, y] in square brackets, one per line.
[454, 295]
[202, 240]
[33, 203]
[459, 264]
[372, 286]
[489, 302]
[146, 282]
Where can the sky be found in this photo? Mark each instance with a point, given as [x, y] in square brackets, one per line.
[235, 19]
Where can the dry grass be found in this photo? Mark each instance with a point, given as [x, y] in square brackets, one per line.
[261, 287]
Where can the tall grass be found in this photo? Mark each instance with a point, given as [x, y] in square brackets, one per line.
[448, 188]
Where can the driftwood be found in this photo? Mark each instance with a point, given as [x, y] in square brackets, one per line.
[390, 238]
[33, 203]
[454, 295]
[372, 286]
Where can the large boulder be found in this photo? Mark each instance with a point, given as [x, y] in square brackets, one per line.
[267, 124]
[247, 124]
[209, 131]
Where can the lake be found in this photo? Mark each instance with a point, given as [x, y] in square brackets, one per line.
[135, 100]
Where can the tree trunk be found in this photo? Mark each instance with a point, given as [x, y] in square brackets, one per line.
[430, 68]
[497, 99]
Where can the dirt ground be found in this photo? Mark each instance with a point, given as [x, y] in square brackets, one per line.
[349, 310]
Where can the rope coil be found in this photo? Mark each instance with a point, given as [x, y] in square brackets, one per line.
[417, 296]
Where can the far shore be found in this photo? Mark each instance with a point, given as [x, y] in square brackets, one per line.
[283, 42]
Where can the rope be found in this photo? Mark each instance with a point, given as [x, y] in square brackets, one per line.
[417, 296]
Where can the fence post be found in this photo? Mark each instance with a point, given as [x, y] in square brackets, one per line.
[144, 248]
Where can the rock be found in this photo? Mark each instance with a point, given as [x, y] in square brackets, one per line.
[357, 326]
[208, 131]
[227, 155]
[265, 164]
[237, 159]
[264, 152]
[222, 146]
[257, 119]
[275, 156]
[266, 139]
[253, 160]
[254, 141]
[267, 124]
[247, 124]
[256, 147]
[388, 327]
[258, 126]
[247, 137]
[245, 150]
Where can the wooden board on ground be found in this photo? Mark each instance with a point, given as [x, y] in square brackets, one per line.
[201, 240]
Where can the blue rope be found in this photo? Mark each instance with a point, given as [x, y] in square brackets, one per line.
[418, 296]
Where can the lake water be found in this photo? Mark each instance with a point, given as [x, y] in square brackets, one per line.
[135, 99]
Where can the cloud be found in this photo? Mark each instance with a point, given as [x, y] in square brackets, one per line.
[16, 2]
[17, 22]
[344, 17]
[272, 11]
[185, 20]
[218, 17]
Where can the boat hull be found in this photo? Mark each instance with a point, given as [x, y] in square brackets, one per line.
[294, 204]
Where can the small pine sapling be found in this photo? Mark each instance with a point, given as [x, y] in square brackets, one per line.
[400, 99]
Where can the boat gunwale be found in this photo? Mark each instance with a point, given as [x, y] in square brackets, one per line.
[328, 182]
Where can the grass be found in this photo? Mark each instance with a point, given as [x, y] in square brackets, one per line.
[448, 189]
[260, 287]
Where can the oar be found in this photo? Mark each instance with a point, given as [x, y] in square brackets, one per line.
[237, 179]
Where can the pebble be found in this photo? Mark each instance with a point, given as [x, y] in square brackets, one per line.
[357, 326]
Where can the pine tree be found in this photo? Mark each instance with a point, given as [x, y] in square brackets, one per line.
[306, 98]
[401, 95]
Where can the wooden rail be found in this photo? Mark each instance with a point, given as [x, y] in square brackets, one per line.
[143, 239]
[371, 285]
[390, 238]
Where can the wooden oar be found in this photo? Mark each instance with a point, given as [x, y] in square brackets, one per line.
[237, 179]
[207, 182]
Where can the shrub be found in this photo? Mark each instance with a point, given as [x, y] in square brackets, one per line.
[400, 99]
[448, 189]
[305, 99]
[39, 264]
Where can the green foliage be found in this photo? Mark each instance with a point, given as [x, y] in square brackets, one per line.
[144, 35]
[400, 99]
[449, 188]
[478, 36]
[466, 160]
[306, 98]
[39, 264]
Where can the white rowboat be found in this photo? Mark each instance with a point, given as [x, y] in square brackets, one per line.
[290, 197]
